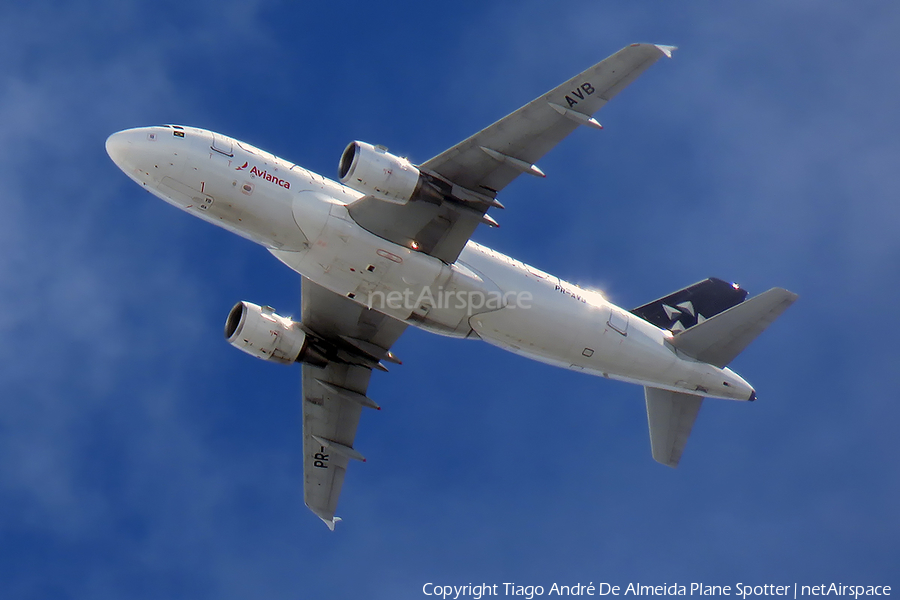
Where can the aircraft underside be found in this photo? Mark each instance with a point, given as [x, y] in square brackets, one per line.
[388, 246]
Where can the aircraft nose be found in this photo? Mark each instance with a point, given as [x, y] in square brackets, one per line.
[119, 145]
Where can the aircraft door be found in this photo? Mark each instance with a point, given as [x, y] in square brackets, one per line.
[618, 320]
[222, 145]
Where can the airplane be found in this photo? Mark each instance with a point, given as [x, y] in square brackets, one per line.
[388, 246]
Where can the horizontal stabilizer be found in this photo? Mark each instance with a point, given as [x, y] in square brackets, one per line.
[694, 304]
[720, 339]
[671, 417]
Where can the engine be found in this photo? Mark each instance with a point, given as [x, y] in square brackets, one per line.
[376, 172]
[262, 333]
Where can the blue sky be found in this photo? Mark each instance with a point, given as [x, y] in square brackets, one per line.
[143, 457]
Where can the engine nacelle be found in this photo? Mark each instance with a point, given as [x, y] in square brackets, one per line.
[376, 172]
[262, 333]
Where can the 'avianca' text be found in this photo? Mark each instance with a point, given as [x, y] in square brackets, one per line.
[271, 178]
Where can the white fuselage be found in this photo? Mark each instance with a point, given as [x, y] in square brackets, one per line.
[302, 218]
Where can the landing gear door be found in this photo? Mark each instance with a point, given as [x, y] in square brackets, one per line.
[618, 320]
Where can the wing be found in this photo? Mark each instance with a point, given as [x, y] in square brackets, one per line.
[334, 396]
[470, 174]
[529, 133]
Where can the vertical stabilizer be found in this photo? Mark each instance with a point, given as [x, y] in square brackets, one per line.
[694, 304]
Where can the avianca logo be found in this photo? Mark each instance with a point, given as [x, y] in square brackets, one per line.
[270, 178]
[242, 167]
